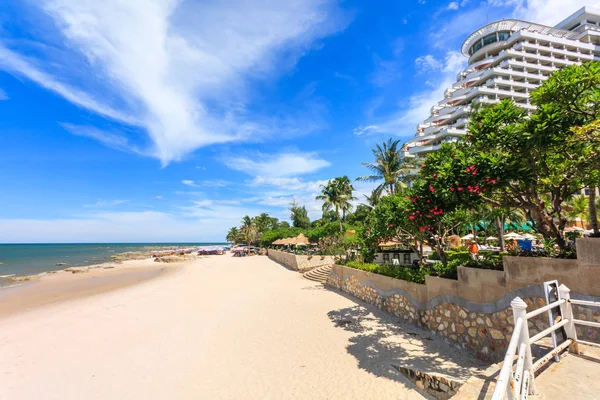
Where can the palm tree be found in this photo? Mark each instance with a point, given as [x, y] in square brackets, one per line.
[249, 230]
[337, 196]
[390, 166]
[233, 235]
[579, 209]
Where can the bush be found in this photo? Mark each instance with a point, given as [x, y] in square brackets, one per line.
[415, 275]
[450, 271]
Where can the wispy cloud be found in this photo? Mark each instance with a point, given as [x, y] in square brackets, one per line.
[404, 121]
[3, 95]
[277, 165]
[105, 203]
[206, 183]
[181, 70]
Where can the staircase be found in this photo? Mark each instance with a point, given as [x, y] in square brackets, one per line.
[318, 274]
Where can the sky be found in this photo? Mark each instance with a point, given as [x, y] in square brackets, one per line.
[169, 120]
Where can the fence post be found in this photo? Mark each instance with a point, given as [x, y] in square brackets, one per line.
[519, 308]
[567, 313]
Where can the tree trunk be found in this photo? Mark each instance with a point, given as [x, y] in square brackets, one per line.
[500, 229]
[337, 212]
[593, 212]
[548, 228]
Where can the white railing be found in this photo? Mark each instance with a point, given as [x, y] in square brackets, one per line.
[517, 382]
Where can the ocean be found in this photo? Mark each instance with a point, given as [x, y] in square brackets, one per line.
[31, 259]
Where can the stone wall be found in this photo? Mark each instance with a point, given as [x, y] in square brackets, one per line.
[474, 311]
[306, 263]
[286, 259]
[299, 263]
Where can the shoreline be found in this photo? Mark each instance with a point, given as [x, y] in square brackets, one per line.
[39, 290]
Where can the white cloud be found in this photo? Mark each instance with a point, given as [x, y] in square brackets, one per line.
[181, 70]
[453, 6]
[278, 165]
[209, 183]
[109, 139]
[105, 203]
[549, 12]
[158, 197]
[3, 95]
[404, 121]
[145, 226]
[427, 63]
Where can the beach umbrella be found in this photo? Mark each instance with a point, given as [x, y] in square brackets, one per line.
[527, 236]
[467, 237]
[513, 235]
[491, 238]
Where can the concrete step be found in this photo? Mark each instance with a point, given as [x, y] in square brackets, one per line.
[319, 274]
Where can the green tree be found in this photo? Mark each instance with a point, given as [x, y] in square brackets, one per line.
[578, 209]
[337, 196]
[532, 162]
[249, 231]
[233, 235]
[264, 222]
[390, 166]
[299, 216]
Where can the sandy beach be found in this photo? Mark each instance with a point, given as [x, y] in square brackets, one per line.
[217, 327]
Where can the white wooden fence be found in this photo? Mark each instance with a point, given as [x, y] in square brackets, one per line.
[518, 381]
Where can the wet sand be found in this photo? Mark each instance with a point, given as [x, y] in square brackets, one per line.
[216, 328]
[56, 286]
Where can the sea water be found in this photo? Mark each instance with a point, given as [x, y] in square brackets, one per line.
[31, 259]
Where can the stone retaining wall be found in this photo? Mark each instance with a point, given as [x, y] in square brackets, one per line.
[306, 264]
[286, 259]
[474, 311]
[299, 263]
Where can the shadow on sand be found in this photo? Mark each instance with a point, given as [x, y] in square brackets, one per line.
[383, 345]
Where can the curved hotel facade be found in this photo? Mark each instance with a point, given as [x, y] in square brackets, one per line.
[507, 60]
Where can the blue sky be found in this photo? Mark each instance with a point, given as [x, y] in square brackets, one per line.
[165, 120]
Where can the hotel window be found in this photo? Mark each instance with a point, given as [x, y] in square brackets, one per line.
[386, 258]
[503, 35]
[490, 39]
[406, 260]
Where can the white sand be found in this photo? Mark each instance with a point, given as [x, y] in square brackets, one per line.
[217, 328]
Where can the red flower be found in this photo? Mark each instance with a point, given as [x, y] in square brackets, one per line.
[435, 175]
[460, 189]
[478, 122]
[390, 225]
[452, 189]
[422, 229]
[431, 189]
[493, 181]
[428, 201]
[411, 217]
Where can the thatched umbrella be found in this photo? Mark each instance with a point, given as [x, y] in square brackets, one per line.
[300, 240]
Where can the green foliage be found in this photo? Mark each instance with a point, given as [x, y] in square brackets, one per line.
[391, 167]
[299, 216]
[337, 196]
[415, 275]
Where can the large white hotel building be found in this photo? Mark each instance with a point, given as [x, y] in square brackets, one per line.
[507, 60]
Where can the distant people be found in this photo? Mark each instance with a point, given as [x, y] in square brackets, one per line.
[473, 249]
[512, 245]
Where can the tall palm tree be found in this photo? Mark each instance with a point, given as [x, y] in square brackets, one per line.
[579, 209]
[390, 166]
[337, 195]
[233, 235]
[249, 230]
[373, 199]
